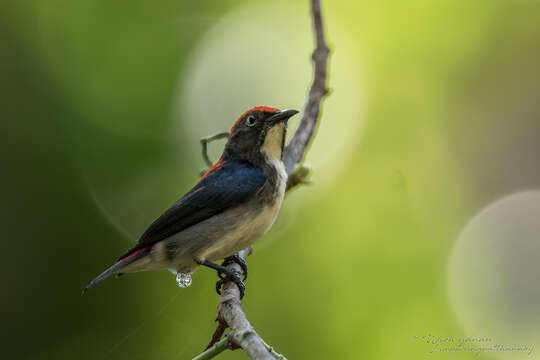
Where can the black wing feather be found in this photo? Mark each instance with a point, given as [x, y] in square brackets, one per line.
[229, 185]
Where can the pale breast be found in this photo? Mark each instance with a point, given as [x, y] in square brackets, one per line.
[252, 220]
[224, 234]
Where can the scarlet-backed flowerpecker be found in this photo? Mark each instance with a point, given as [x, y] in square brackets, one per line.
[234, 203]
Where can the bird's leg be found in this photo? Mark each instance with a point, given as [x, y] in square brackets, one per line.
[237, 260]
[229, 275]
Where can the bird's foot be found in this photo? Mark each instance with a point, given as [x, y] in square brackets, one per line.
[225, 275]
[234, 277]
[236, 259]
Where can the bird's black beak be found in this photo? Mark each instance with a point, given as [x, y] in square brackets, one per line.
[281, 116]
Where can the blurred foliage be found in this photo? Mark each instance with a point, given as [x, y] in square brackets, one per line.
[356, 264]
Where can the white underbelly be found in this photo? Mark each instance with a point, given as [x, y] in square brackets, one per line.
[247, 231]
[252, 226]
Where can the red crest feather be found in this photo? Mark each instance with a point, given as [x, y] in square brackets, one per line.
[214, 167]
[257, 108]
[219, 163]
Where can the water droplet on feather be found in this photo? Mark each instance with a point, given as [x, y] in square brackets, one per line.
[183, 279]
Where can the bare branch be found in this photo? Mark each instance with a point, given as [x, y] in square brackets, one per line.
[216, 336]
[242, 333]
[230, 312]
[294, 152]
[213, 350]
[204, 145]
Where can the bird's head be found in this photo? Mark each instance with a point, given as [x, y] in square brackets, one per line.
[259, 134]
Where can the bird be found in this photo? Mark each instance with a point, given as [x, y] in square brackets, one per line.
[232, 205]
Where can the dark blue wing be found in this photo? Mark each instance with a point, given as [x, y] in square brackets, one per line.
[223, 187]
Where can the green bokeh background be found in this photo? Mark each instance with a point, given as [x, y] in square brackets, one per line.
[450, 123]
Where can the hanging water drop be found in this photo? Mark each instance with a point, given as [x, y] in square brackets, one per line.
[183, 279]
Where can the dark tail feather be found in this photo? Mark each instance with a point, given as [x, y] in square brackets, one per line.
[119, 265]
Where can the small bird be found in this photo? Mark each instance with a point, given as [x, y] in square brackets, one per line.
[233, 204]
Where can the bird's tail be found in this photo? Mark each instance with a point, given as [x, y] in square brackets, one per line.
[119, 265]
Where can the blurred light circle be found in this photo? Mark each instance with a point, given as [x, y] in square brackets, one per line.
[247, 58]
[250, 58]
[494, 274]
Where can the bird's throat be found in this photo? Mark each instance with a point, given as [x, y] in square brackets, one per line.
[273, 142]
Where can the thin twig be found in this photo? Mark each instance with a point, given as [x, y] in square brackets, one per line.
[220, 330]
[294, 152]
[204, 145]
[214, 350]
[230, 310]
[277, 355]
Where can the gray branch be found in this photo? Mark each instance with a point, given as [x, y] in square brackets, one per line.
[295, 150]
[242, 333]
[229, 312]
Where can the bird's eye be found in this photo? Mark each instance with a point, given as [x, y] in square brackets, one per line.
[250, 120]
